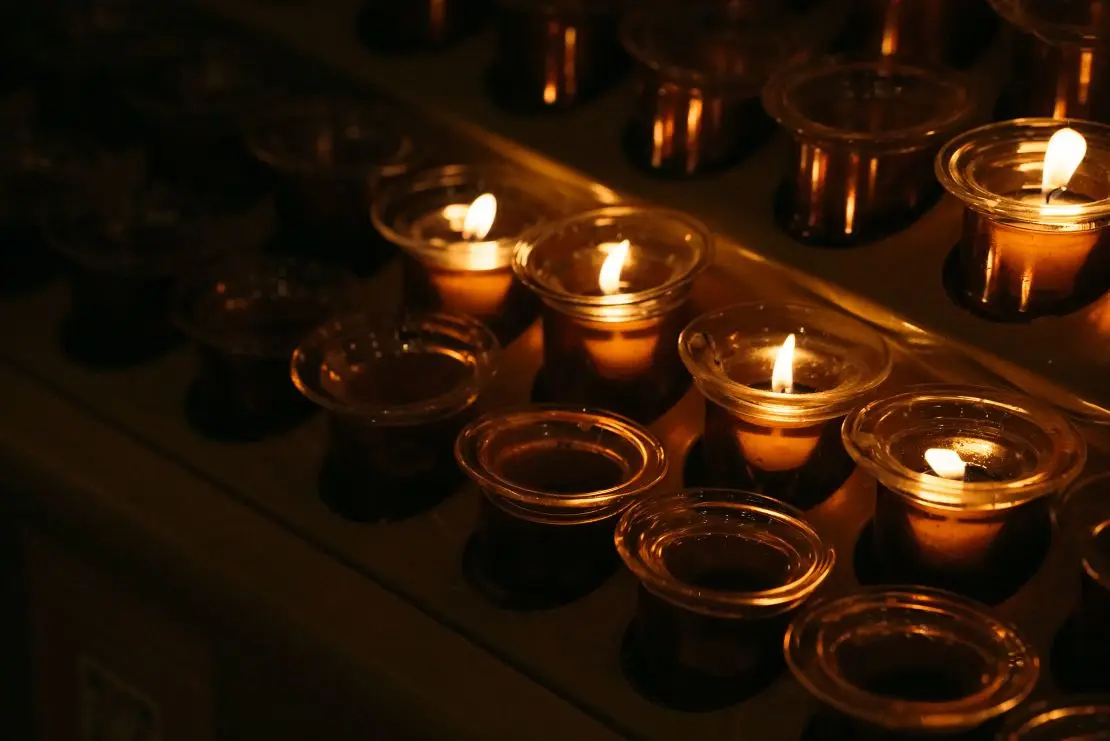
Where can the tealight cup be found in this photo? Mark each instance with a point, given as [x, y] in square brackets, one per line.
[1024, 253]
[865, 133]
[702, 69]
[1061, 60]
[246, 317]
[721, 573]
[330, 157]
[615, 284]
[458, 226]
[1082, 718]
[554, 54]
[894, 662]
[978, 524]
[397, 393]
[129, 246]
[555, 479]
[785, 444]
[416, 25]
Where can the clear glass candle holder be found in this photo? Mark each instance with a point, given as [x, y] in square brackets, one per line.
[418, 24]
[721, 573]
[951, 32]
[1086, 717]
[893, 662]
[1083, 518]
[980, 524]
[330, 157]
[397, 391]
[1061, 59]
[782, 444]
[702, 68]
[615, 285]
[555, 479]
[555, 54]
[129, 245]
[458, 226]
[247, 316]
[865, 133]
[1020, 256]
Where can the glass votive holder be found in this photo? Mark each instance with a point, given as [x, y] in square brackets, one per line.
[554, 54]
[721, 573]
[702, 68]
[414, 25]
[778, 432]
[951, 32]
[128, 249]
[458, 226]
[864, 135]
[555, 479]
[247, 316]
[1081, 718]
[330, 156]
[1024, 252]
[896, 663]
[1061, 60]
[397, 392]
[1083, 518]
[615, 285]
[965, 479]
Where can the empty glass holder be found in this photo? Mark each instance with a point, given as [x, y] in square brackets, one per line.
[1074, 718]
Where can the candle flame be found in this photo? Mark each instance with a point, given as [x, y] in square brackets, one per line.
[1066, 150]
[782, 377]
[609, 278]
[946, 463]
[480, 216]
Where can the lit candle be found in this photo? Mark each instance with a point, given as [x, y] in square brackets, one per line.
[626, 350]
[779, 448]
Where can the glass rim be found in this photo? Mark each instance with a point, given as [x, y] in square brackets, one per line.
[717, 602]
[345, 327]
[470, 443]
[400, 161]
[769, 405]
[777, 91]
[1050, 31]
[1069, 516]
[1033, 717]
[806, 649]
[951, 166]
[1067, 460]
[527, 246]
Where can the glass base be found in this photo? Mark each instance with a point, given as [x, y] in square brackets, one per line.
[355, 494]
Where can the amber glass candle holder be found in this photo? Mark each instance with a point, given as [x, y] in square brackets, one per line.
[896, 663]
[702, 68]
[554, 54]
[1061, 59]
[615, 285]
[397, 393]
[416, 25]
[979, 525]
[1083, 518]
[721, 573]
[865, 133]
[330, 157]
[951, 32]
[247, 316]
[458, 227]
[555, 479]
[129, 246]
[1086, 717]
[784, 445]
[1022, 255]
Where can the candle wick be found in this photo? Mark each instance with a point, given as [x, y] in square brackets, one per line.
[1054, 192]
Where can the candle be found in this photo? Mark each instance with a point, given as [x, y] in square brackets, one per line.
[614, 283]
[965, 477]
[777, 379]
[555, 480]
[1034, 193]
